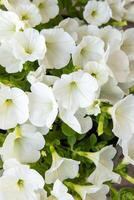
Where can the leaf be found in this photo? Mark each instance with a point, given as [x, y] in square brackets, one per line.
[93, 140]
[71, 140]
[126, 194]
[67, 130]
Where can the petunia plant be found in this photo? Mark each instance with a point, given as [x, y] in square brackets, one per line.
[66, 100]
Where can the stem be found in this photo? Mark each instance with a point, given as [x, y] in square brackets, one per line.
[100, 129]
[122, 170]
[128, 178]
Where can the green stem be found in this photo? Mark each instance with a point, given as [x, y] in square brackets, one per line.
[100, 129]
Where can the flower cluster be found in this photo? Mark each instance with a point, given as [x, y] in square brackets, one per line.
[66, 98]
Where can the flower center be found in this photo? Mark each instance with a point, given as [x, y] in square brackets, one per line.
[94, 13]
[73, 85]
[20, 183]
[28, 51]
[94, 75]
[83, 51]
[18, 131]
[25, 17]
[41, 5]
[8, 102]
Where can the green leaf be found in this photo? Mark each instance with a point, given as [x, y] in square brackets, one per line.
[71, 140]
[67, 130]
[93, 140]
[126, 194]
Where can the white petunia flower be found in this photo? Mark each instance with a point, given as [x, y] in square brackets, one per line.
[92, 192]
[87, 30]
[78, 121]
[41, 194]
[29, 45]
[48, 9]
[111, 36]
[67, 25]
[111, 92]
[23, 144]
[19, 182]
[59, 47]
[104, 164]
[128, 149]
[128, 43]
[61, 168]
[98, 71]
[12, 64]
[43, 107]
[129, 12]
[13, 107]
[97, 12]
[117, 8]
[28, 13]
[10, 24]
[94, 108]
[60, 192]
[122, 114]
[40, 76]
[75, 90]
[91, 48]
[119, 64]
[11, 4]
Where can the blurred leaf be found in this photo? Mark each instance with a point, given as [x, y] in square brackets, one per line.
[126, 194]
[67, 130]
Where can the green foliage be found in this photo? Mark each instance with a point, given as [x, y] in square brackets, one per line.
[126, 194]
[18, 79]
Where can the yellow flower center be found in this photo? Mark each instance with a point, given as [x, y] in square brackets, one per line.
[94, 13]
[20, 183]
[18, 131]
[25, 17]
[8, 102]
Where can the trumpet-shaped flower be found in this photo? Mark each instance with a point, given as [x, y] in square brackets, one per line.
[67, 25]
[29, 45]
[92, 192]
[98, 71]
[128, 43]
[111, 36]
[117, 8]
[123, 117]
[129, 11]
[94, 108]
[40, 76]
[28, 13]
[19, 182]
[13, 107]
[104, 164]
[91, 48]
[97, 12]
[43, 107]
[78, 121]
[41, 194]
[59, 47]
[48, 9]
[119, 64]
[23, 144]
[111, 92]
[75, 90]
[10, 24]
[128, 150]
[12, 64]
[11, 4]
[61, 168]
[60, 192]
